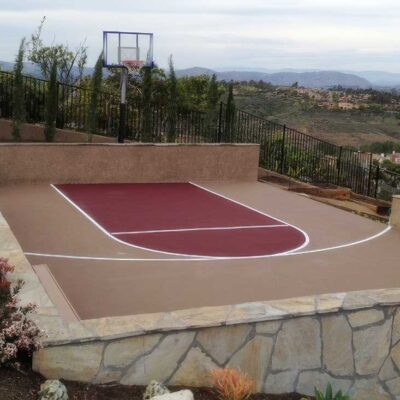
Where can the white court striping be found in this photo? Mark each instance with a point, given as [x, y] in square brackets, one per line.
[95, 223]
[217, 228]
[306, 237]
[111, 236]
[326, 249]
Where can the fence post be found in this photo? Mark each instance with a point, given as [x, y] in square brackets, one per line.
[339, 166]
[282, 167]
[369, 174]
[219, 134]
[57, 105]
[376, 181]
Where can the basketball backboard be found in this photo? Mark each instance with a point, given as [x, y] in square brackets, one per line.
[127, 49]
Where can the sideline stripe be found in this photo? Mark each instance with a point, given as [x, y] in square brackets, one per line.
[326, 249]
[218, 228]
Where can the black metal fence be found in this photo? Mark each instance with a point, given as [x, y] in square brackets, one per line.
[304, 157]
[283, 149]
[73, 103]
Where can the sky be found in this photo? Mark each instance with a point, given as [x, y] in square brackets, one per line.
[346, 35]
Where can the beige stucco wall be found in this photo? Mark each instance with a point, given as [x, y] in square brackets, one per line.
[34, 133]
[97, 163]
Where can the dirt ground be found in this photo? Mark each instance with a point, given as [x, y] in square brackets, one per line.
[25, 385]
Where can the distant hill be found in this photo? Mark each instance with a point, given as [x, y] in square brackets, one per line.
[33, 70]
[380, 78]
[317, 79]
[310, 79]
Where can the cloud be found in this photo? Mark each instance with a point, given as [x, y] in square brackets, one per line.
[254, 33]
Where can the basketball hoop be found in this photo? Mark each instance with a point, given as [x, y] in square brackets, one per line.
[129, 51]
[133, 66]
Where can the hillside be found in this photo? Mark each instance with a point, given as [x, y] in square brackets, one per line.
[317, 79]
[342, 127]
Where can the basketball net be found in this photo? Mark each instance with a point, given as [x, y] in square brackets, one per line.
[133, 67]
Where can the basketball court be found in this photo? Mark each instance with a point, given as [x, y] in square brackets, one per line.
[119, 249]
[104, 250]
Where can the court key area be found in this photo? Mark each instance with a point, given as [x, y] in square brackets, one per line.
[182, 219]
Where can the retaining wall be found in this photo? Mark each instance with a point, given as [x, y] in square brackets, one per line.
[100, 163]
[349, 339]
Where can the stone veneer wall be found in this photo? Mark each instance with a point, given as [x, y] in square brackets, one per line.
[349, 339]
[357, 351]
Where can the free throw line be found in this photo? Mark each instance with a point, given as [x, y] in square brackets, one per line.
[217, 228]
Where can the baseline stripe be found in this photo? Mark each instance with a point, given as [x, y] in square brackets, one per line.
[222, 228]
[287, 254]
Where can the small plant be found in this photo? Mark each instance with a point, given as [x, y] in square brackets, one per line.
[51, 105]
[19, 335]
[329, 394]
[231, 384]
[95, 86]
[18, 97]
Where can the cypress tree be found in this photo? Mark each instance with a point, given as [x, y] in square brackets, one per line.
[212, 106]
[51, 106]
[95, 86]
[172, 106]
[230, 116]
[147, 133]
[18, 100]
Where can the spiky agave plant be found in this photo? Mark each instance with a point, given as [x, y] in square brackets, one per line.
[328, 395]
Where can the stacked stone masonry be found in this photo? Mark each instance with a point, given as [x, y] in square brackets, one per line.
[357, 351]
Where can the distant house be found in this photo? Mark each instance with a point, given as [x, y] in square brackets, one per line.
[395, 157]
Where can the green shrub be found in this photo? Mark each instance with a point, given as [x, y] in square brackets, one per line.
[329, 394]
[95, 86]
[18, 98]
[51, 105]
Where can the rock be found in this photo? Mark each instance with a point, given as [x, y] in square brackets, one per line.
[371, 347]
[53, 390]
[268, 327]
[298, 345]
[161, 362]
[368, 389]
[122, 352]
[195, 370]
[154, 389]
[254, 358]
[396, 327]
[309, 380]
[78, 362]
[387, 371]
[365, 317]
[281, 382]
[337, 350]
[221, 342]
[395, 354]
[394, 387]
[181, 395]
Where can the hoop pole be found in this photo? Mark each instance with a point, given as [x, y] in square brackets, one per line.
[122, 106]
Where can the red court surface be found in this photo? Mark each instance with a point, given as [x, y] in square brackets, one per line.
[182, 219]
